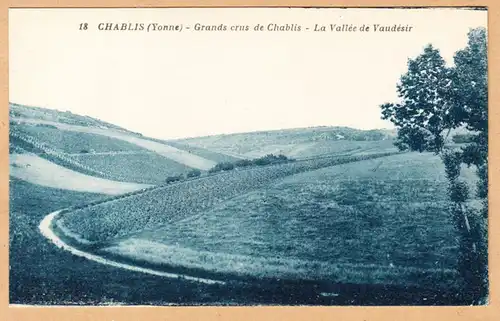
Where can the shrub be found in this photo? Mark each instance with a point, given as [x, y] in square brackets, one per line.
[243, 163]
[193, 173]
[46, 126]
[271, 159]
[171, 179]
[463, 138]
[224, 166]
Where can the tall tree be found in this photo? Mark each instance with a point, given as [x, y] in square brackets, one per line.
[423, 114]
[434, 99]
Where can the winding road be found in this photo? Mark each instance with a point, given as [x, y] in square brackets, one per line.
[46, 230]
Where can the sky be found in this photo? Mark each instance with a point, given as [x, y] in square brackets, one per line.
[168, 84]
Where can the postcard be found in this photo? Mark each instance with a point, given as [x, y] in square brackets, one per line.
[248, 157]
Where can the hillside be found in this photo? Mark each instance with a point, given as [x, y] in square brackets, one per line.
[297, 142]
[99, 149]
[64, 117]
[347, 211]
[371, 220]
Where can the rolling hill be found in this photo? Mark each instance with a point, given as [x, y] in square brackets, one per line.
[297, 143]
[345, 210]
[100, 149]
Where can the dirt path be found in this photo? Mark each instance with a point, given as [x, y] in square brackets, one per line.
[37, 170]
[45, 229]
[164, 150]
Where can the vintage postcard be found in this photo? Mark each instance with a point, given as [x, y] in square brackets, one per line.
[248, 157]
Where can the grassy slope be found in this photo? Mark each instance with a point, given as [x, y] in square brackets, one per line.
[74, 142]
[202, 152]
[42, 274]
[162, 205]
[294, 142]
[174, 154]
[383, 211]
[16, 110]
[140, 166]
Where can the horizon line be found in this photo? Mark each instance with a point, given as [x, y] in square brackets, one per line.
[208, 135]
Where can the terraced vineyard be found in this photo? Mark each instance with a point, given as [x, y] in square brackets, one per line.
[202, 152]
[145, 167]
[75, 142]
[297, 143]
[346, 212]
[381, 220]
[166, 204]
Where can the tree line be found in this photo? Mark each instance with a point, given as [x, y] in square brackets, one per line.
[435, 99]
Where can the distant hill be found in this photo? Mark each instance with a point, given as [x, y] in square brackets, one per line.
[64, 117]
[99, 149]
[297, 142]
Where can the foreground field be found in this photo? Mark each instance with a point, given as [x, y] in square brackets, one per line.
[375, 221]
[42, 274]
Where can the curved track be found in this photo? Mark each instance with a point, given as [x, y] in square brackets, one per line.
[46, 230]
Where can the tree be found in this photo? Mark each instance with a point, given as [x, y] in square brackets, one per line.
[434, 99]
[423, 114]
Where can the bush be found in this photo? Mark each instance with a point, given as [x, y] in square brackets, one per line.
[171, 179]
[463, 138]
[224, 166]
[193, 173]
[271, 159]
[84, 151]
[261, 161]
[46, 126]
[243, 163]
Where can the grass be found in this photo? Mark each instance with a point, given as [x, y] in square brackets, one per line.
[375, 221]
[42, 274]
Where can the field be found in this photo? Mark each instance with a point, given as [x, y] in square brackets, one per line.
[162, 149]
[37, 170]
[351, 221]
[376, 221]
[76, 142]
[165, 204]
[298, 143]
[146, 167]
[301, 150]
[202, 152]
[42, 274]
[51, 115]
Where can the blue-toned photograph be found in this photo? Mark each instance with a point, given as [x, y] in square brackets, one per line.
[248, 157]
